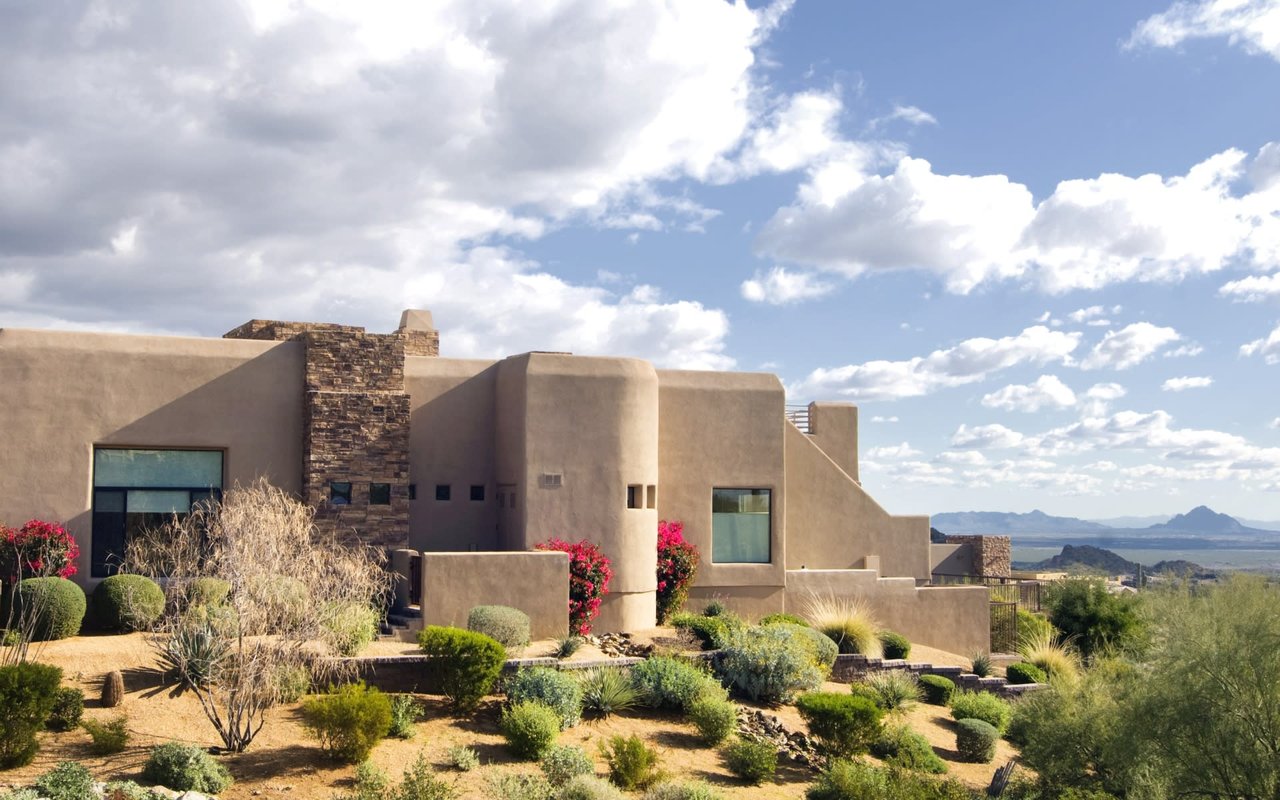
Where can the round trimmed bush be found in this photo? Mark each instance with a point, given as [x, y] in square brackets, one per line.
[895, 644]
[351, 627]
[127, 603]
[678, 790]
[902, 747]
[589, 787]
[27, 694]
[55, 605]
[754, 762]
[564, 762]
[504, 624]
[68, 708]
[530, 728]
[976, 740]
[551, 687]
[1023, 672]
[185, 767]
[843, 724]
[769, 664]
[790, 619]
[670, 683]
[714, 716]
[984, 706]
[207, 591]
[464, 665]
[712, 632]
[349, 720]
[937, 689]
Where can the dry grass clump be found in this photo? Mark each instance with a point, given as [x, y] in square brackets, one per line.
[1058, 660]
[847, 620]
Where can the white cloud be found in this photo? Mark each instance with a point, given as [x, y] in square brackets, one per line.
[1184, 383]
[1253, 288]
[803, 130]
[1128, 346]
[1274, 424]
[780, 286]
[1087, 234]
[908, 114]
[1098, 398]
[1184, 351]
[967, 458]
[884, 419]
[1047, 391]
[898, 451]
[986, 437]
[1251, 24]
[968, 362]
[1268, 348]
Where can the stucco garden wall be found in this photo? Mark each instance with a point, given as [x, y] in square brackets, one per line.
[537, 583]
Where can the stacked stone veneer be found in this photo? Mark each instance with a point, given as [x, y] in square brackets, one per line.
[355, 421]
[992, 555]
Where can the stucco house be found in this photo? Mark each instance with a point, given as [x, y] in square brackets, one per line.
[458, 467]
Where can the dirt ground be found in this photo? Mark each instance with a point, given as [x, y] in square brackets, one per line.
[284, 762]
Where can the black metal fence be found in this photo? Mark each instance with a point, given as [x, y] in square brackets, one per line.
[1004, 626]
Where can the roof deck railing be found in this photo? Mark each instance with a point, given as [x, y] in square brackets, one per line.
[799, 416]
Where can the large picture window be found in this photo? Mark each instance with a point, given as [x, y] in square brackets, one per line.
[134, 490]
[740, 525]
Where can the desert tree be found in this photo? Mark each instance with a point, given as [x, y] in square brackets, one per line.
[256, 596]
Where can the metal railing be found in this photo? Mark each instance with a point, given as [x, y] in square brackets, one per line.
[798, 416]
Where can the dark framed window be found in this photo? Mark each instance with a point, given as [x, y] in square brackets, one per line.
[340, 493]
[379, 494]
[413, 491]
[634, 496]
[135, 490]
[741, 522]
[477, 493]
[443, 491]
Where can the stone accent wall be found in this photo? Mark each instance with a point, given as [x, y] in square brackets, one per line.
[355, 421]
[992, 555]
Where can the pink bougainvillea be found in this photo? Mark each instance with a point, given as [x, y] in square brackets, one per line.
[677, 565]
[37, 549]
[589, 575]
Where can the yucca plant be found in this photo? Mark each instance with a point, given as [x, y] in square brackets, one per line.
[980, 663]
[606, 691]
[847, 621]
[1058, 660]
[896, 689]
[195, 653]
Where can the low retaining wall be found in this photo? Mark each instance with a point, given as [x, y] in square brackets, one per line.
[535, 582]
[850, 668]
[409, 674]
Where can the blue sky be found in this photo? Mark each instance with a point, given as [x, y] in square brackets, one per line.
[1037, 243]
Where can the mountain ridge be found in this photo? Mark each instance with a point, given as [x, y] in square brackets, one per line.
[1200, 520]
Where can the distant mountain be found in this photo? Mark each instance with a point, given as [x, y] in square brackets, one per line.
[1201, 519]
[1262, 525]
[999, 522]
[1132, 522]
[1087, 558]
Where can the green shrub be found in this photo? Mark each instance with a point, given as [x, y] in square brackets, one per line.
[895, 688]
[821, 650]
[1022, 672]
[589, 787]
[126, 790]
[710, 631]
[107, 737]
[292, 683]
[185, 767]
[464, 664]
[27, 693]
[348, 721]
[980, 664]
[754, 762]
[606, 691]
[24, 794]
[789, 619]
[350, 628]
[420, 783]
[564, 762]
[405, 713]
[463, 759]
[674, 790]
[127, 603]
[518, 786]
[841, 723]
[715, 717]
[372, 783]
[568, 645]
[52, 607]
[670, 683]
[530, 728]
[768, 664]
[895, 645]
[981, 705]
[1093, 619]
[632, 763]
[854, 780]
[937, 689]
[550, 687]
[194, 652]
[68, 708]
[1032, 624]
[67, 781]
[207, 592]
[716, 608]
[506, 625]
[976, 740]
[902, 747]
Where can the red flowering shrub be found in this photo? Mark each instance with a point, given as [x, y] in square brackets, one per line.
[677, 564]
[589, 575]
[37, 550]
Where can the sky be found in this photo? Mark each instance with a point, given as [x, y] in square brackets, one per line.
[1038, 244]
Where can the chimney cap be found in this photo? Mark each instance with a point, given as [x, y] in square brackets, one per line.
[416, 319]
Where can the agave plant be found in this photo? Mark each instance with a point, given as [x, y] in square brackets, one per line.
[194, 653]
[847, 621]
[607, 691]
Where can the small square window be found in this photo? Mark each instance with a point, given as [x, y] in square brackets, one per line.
[651, 497]
[340, 493]
[477, 493]
[413, 491]
[443, 491]
[635, 496]
[379, 494]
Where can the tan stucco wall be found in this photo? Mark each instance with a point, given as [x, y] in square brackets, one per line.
[593, 421]
[833, 427]
[951, 559]
[535, 583]
[63, 392]
[832, 523]
[722, 430]
[951, 618]
[451, 434]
